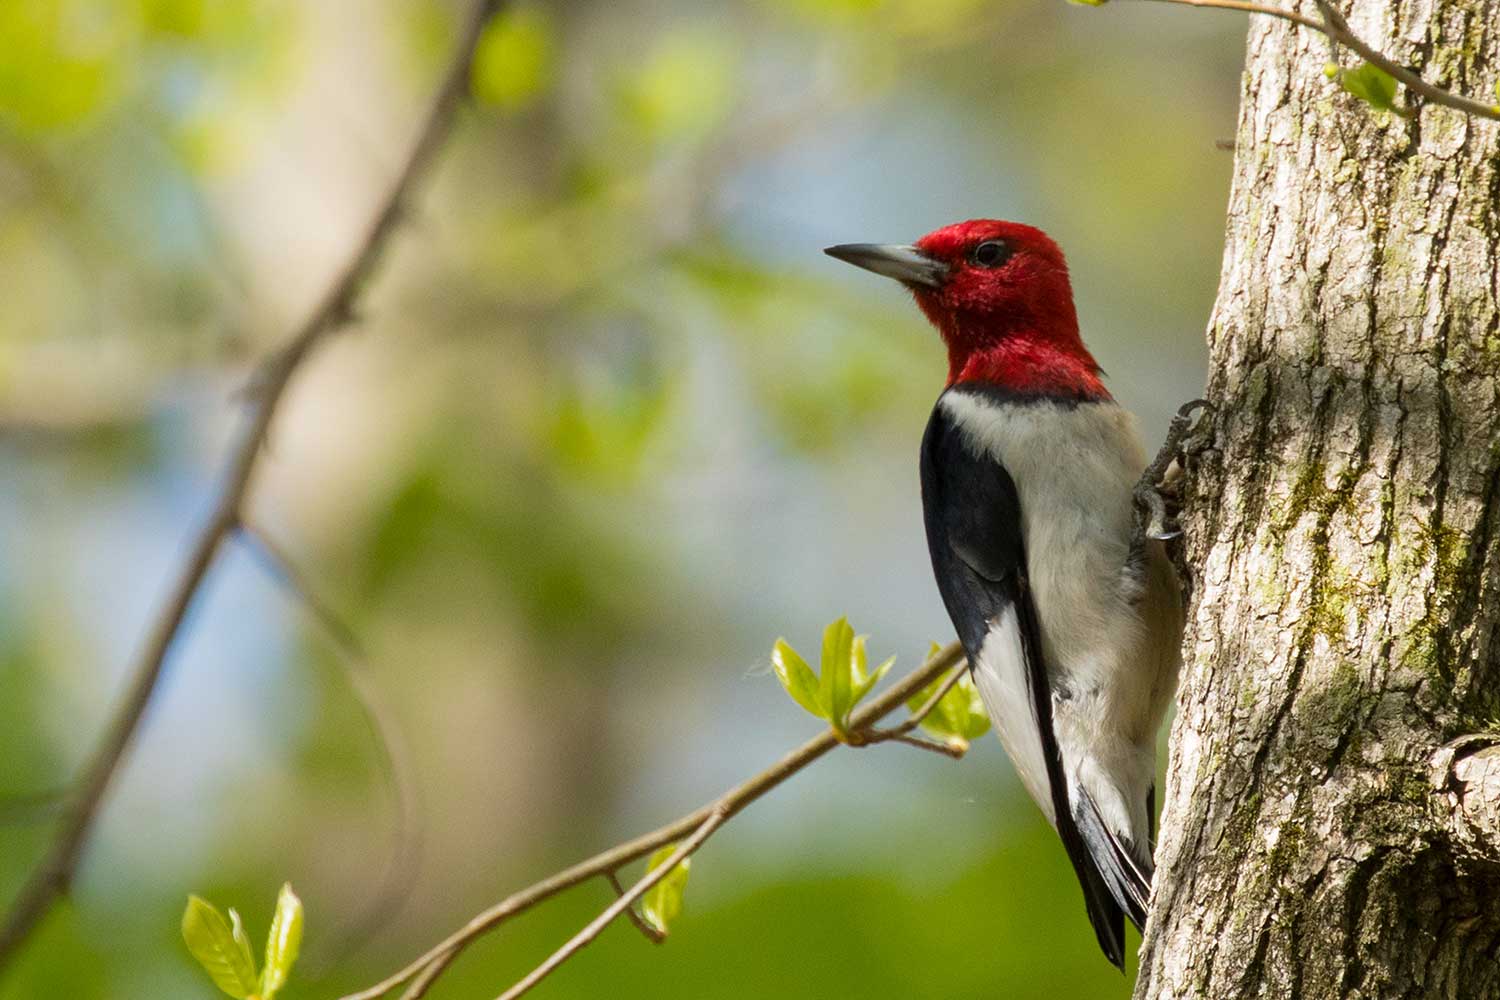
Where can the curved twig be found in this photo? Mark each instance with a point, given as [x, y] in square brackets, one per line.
[428, 966]
[651, 933]
[53, 873]
[395, 760]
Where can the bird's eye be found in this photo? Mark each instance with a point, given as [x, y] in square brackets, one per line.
[991, 253]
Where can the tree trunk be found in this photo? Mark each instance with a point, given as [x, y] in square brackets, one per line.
[1319, 838]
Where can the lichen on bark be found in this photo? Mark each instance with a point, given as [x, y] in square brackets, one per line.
[1318, 839]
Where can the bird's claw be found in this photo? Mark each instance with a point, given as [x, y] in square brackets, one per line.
[1155, 494]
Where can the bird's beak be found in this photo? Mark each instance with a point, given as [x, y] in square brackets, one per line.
[894, 260]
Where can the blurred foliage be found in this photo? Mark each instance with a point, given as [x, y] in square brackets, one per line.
[516, 59]
[608, 415]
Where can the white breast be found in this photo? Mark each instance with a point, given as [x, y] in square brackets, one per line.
[1075, 468]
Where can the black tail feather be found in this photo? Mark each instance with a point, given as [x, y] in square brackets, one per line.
[1104, 913]
[1127, 880]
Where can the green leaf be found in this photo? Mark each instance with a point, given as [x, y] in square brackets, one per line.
[222, 950]
[241, 939]
[1370, 84]
[662, 903]
[282, 943]
[1089, 3]
[797, 677]
[836, 680]
[513, 62]
[959, 717]
[863, 684]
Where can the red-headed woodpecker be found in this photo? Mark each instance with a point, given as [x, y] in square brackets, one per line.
[1070, 617]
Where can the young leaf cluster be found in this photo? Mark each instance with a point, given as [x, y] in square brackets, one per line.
[842, 681]
[959, 716]
[222, 947]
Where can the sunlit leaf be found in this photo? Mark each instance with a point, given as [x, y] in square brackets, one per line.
[1089, 3]
[959, 717]
[282, 943]
[662, 903]
[222, 949]
[514, 61]
[835, 677]
[862, 681]
[241, 939]
[1370, 84]
[797, 677]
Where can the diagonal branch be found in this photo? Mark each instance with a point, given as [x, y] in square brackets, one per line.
[651, 933]
[1337, 30]
[53, 873]
[716, 818]
[424, 970]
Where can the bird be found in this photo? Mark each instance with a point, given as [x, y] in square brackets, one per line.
[1066, 605]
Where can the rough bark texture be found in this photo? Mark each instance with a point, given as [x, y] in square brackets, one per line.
[1319, 838]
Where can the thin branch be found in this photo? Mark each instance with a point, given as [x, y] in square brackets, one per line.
[1337, 30]
[420, 985]
[730, 803]
[954, 750]
[931, 703]
[652, 934]
[395, 760]
[1255, 8]
[871, 735]
[716, 818]
[52, 875]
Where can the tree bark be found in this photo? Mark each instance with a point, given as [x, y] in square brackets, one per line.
[1322, 837]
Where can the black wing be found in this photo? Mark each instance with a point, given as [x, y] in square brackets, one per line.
[973, 517]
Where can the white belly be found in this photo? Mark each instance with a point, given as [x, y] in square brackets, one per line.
[1111, 675]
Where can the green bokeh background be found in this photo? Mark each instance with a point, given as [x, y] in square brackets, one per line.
[609, 425]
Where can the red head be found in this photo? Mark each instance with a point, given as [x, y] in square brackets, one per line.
[998, 293]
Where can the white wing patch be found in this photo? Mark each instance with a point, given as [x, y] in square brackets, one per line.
[1000, 676]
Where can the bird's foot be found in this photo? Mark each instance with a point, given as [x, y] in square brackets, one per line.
[1157, 494]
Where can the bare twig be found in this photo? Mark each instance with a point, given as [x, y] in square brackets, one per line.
[716, 818]
[52, 875]
[954, 750]
[1337, 30]
[436, 959]
[420, 985]
[400, 873]
[652, 934]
